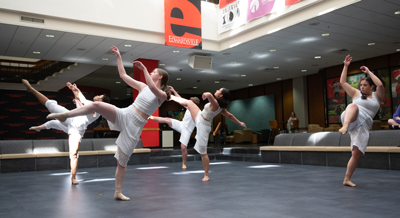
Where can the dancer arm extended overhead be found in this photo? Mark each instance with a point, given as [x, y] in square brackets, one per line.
[152, 86]
[212, 100]
[174, 92]
[230, 116]
[378, 83]
[122, 73]
[78, 94]
[352, 92]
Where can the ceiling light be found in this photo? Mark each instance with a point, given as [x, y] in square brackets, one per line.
[203, 71]
[276, 67]
[104, 59]
[118, 82]
[50, 36]
[317, 57]
[36, 52]
[176, 51]
[178, 79]
[128, 46]
[397, 12]
[272, 50]
[303, 70]
[194, 87]
[325, 34]
[250, 84]
[314, 24]
[242, 75]
[278, 78]
[116, 97]
[372, 43]
[81, 49]
[162, 64]
[398, 49]
[17, 76]
[128, 94]
[226, 53]
[233, 62]
[216, 81]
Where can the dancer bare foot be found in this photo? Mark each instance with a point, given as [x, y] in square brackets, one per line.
[36, 128]
[119, 196]
[205, 179]
[347, 182]
[344, 129]
[74, 181]
[59, 116]
[27, 85]
[184, 166]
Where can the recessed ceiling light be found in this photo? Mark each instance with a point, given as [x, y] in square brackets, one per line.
[81, 49]
[242, 75]
[128, 94]
[203, 71]
[194, 87]
[398, 49]
[116, 97]
[128, 46]
[278, 78]
[17, 76]
[118, 82]
[250, 84]
[325, 34]
[303, 70]
[397, 12]
[372, 43]
[314, 24]
[272, 50]
[176, 51]
[36, 52]
[316, 57]
[233, 62]
[276, 67]
[178, 79]
[104, 59]
[217, 81]
[50, 36]
[162, 64]
[226, 53]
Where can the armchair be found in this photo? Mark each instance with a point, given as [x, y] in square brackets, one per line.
[314, 128]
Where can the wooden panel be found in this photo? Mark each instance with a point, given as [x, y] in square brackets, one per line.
[395, 59]
[276, 90]
[256, 91]
[355, 67]
[377, 62]
[316, 112]
[287, 91]
[241, 94]
[334, 71]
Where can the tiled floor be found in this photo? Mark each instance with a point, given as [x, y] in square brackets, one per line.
[236, 189]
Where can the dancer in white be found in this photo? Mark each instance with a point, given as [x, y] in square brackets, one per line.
[129, 121]
[185, 127]
[357, 118]
[202, 119]
[74, 127]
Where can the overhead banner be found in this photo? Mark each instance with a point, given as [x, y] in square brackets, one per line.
[183, 23]
[291, 2]
[232, 14]
[259, 8]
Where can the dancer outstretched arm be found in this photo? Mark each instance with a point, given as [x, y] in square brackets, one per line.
[351, 91]
[174, 92]
[77, 93]
[230, 116]
[211, 99]
[160, 94]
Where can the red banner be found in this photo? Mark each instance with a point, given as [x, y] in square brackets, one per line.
[183, 23]
[291, 2]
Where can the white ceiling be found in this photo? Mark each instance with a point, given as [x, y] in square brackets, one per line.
[352, 28]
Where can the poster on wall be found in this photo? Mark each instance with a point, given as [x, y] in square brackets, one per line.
[183, 23]
[335, 100]
[395, 75]
[258, 8]
[231, 14]
[385, 110]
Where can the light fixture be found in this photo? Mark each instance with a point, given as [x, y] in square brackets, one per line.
[104, 59]
[116, 97]
[276, 67]
[325, 34]
[397, 12]
[178, 79]
[176, 51]
[317, 57]
[17, 76]
[50, 36]
[128, 46]
[216, 81]
[398, 49]
[272, 50]
[128, 94]
[242, 75]
[303, 70]
[250, 84]
[162, 64]
[278, 78]
[118, 82]
[194, 87]
[36, 52]
[203, 71]
[372, 43]
[233, 62]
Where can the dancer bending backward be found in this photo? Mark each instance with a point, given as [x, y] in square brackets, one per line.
[75, 127]
[129, 121]
[202, 119]
[184, 127]
[357, 118]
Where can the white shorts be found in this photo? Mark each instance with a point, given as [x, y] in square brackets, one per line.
[185, 133]
[203, 131]
[130, 125]
[72, 126]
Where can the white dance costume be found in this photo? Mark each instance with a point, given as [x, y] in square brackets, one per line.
[203, 125]
[72, 126]
[185, 127]
[130, 124]
[359, 129]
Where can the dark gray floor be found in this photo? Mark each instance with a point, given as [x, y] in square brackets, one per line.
[235, 190]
